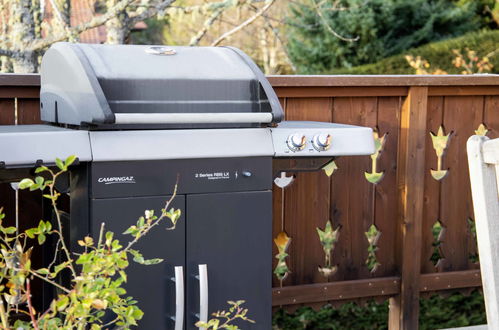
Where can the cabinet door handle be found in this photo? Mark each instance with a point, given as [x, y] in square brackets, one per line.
[203, 293]
[179, 298]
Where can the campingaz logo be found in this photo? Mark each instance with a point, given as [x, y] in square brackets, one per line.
[116, 179]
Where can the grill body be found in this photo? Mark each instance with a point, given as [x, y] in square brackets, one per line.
[142, 118]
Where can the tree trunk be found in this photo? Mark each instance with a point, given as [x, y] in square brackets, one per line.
[22, 22]
[6, 64]
[65, 6]
[27, 63]
[116, 31]
[116, 28]
[268, 51]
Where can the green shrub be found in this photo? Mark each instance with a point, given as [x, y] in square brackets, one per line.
[438, 54]
[435, 313]
[383, 28]
[456, 310]
[348, 316]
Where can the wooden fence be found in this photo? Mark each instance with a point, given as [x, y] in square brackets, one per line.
[403, 219]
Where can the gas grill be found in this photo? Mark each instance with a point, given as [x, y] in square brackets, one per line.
[138, 118]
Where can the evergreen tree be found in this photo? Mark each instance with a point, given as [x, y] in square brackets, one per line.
[324, 35]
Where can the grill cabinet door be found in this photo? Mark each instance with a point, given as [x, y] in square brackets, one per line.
[231, 233]
[150, 285]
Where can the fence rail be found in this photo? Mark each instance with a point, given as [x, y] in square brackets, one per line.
[403, 218]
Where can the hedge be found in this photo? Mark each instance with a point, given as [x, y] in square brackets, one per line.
[438, 54]
[436, 312]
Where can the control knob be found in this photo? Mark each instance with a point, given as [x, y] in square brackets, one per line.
[322, 142]
[296, 141]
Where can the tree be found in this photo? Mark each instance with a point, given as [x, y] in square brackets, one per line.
[26, 31]
[324, 35]
[255, 26]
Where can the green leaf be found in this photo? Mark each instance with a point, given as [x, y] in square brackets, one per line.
[70, 160]
[41, 239]
[43, 271]
[25, 183]
[34, 187]
[137, 256]
[9, 230]
[140, 222]
[41, 169]
[59, 164]
[48, 196]
[152, 261]
[41, 226]
[22, 325]
[60, 267]
[109, 238]
[175, 215]
[89, 241]
[115, 246]
[123, 275]
[39, 180]
[84, 258]
[137, 313]
[132, 230]
[62, 303]
[31, 232]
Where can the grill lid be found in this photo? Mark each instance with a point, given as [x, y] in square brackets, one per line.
[154, 86]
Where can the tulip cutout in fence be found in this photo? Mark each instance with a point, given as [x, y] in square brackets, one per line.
[328, 238]
[283, 181]
[330, 168]
[438, 231]
[372, 235]
[379, 142]
[481, 130]
[282, 239]
[282, 242]
[440, 143]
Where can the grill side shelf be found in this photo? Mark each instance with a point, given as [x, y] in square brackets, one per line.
[30, 145]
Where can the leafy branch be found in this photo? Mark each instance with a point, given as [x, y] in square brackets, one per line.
[41, 184]
[97, 274]
[96, 284]
[224, 319]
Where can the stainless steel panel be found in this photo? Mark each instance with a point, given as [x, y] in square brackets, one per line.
[347, 140]
[180, 144]
[24, 145]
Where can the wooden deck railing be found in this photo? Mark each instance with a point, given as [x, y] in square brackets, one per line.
[404, 219]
